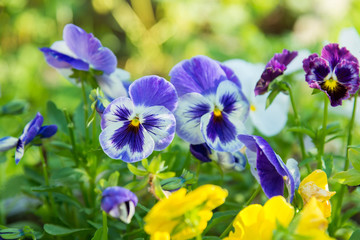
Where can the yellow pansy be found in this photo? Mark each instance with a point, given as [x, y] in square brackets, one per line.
[316, 185]
[312, 222]
[258, 222]
[184, 216]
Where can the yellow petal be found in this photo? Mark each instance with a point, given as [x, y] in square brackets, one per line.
[160, 236]
[318, 177]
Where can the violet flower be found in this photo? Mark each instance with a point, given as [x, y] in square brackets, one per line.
[132, 128]
[212, 108]
[335, 72]
[119, 203]
[274, 68]
[268, 168]
[32, 130]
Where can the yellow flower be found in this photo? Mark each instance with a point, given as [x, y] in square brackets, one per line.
[316, 185]
[184, 216]
[258, 222]
[312, 222]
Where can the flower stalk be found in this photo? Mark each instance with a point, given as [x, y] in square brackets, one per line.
[323, 133]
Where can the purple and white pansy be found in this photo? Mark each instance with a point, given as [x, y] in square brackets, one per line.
[32, 130]
[274, 68]
[132, 128]
[119, 203]
[268, 168]
[335, 72]
[212, 108]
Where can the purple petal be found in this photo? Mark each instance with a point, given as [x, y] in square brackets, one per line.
[47, 131]
[231, 100]
[333, 54]
[112, 197]
[285, 57]
[306, 62]
[59, 60]
[112, 85]
[292, 166]
[318, 70]
[347, 73]
[88, 48]
[271, 72]
[200, 74]
[220, 132]
[191, 108]
[159, 122]
[271, 171]
[153, 91]
[201, 152]
[230, 75]
[7, 143]
[31, 129]
[124, 141]
[119, 110]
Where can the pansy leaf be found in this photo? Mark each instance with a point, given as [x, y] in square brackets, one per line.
[303, 130]
[158, 190]
[327, 164]
[145, 163]
[165, 175]
[272, 97]
[350, 177]
[113, 179]
[315, 91]
[56, 116]
[134, 170]
[355, 235]
[98, 234]
[140, 184]
[57, 230]
[354, 157]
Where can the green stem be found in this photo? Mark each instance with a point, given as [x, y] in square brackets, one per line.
[105, 227]
[252, 197]
[3, 166]
[347, 163]
[297, 122]
[70, 126]
[323, 133]
[86, 108]
[43, 158]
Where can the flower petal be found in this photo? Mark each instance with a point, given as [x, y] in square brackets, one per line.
[153, 91]
[7, 143]
[318, 69]
[47, 131]
[347, 73]
[200, 74]
[230, 75]
[350, 39]
[333, 54]
[19, 153]
[125, 142]
[112, 85]
[119, 110]
[201, 152]
[159, 122]
[292, 166]
[59, 60]
[88, 48]
[191, 108]
[31, 129]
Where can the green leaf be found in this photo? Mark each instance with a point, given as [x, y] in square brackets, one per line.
[57, 230]
[327, 164]
[350, 177]
[138, 185]
[134, 170]
[113, 179]
[315, 91]
[158, 190]
[165, 175]
[154, 166]
[46, 189]
[10, 233]
[303, 130]
[355, 235]
[56, 116]
[354, 157]
[98, 234]
[145, 163]
[272, 97]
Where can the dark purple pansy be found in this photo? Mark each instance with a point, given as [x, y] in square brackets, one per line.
[274, 68]
[228, 160]
[212, 108]
[32, 130]
[335, 72]
[268, 168]
[119, 203]
[132, 128]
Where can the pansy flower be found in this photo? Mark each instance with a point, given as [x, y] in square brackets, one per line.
[269, 121]
[184, 215]
[119, 203]
[204, 153]
[81, 51]
[212, 108]
[335, 72]
[316, 185]
[31, 131]
[268, 168]
[274, 68]
[132, 128]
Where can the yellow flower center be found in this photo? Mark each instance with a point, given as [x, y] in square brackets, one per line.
[252, 108]
[135, 122]
[217, 112]
[330, 84]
